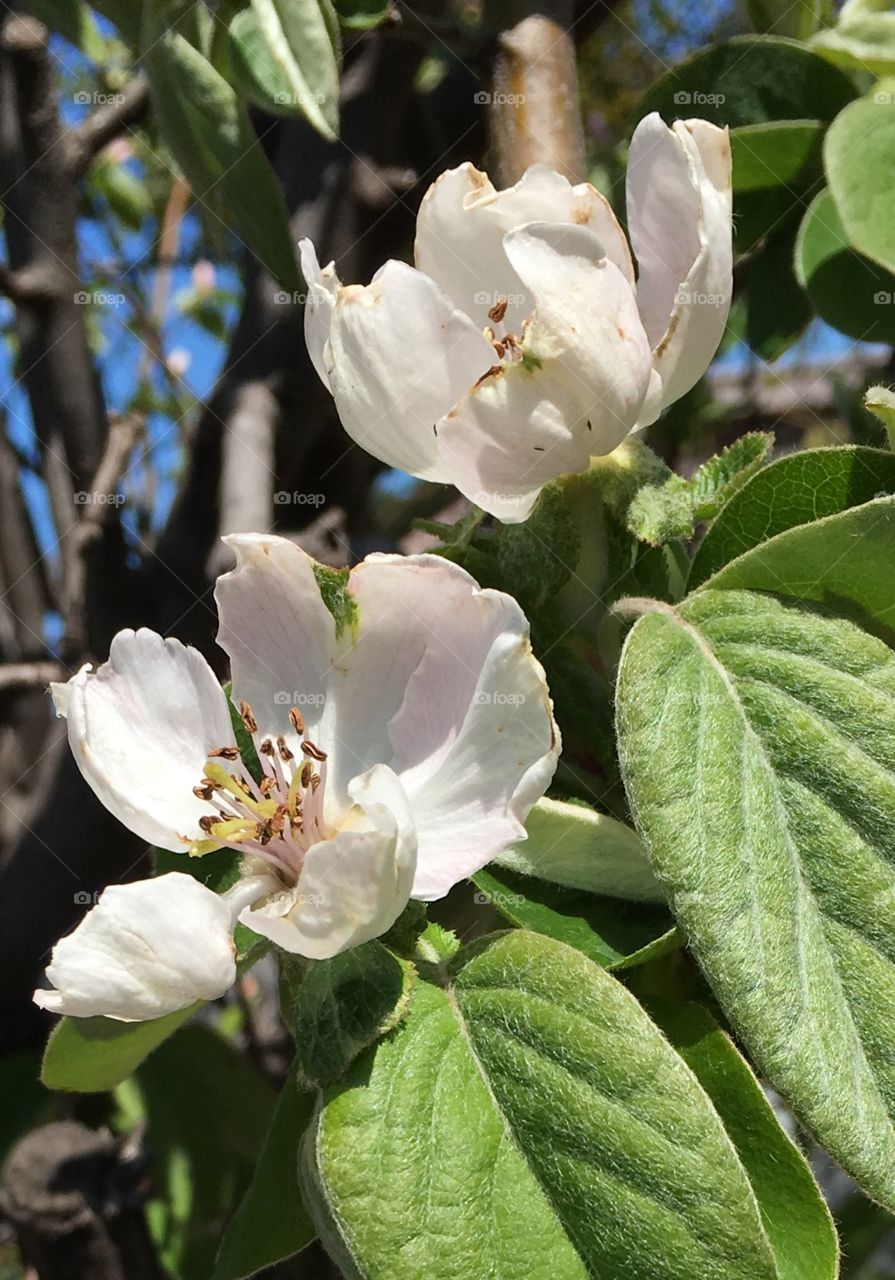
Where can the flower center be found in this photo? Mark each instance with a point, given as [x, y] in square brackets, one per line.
[507, 345]
[276, 819]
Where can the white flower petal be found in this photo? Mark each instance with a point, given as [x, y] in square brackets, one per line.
[579, 389]
[679, 213]
[322, 284]
[277, 632]
[504, 756]
[462, 222]
[401, 357]
[353, 887]
[141, 729]
[146, 949]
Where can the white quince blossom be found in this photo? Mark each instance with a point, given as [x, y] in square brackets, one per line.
[521, 344]
[400, 753]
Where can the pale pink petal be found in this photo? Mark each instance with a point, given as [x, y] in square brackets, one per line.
[322, 286]
[145, 950]
[141, 728]
[679, 213]
[353, 887]
[462, 222]
[400, 357]
[577, 392]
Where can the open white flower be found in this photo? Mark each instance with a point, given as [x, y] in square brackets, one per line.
[522, 345]
[400, 753]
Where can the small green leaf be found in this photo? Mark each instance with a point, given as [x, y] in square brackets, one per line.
[570, 844]
[271, 1224]
[285, 54]
[859, 157]
[792, 491]
[214, 144]
[532, 1120]
[536, 558]
[849, 291]
[361, 15]
[613, 933]
[881, 402]
[794, 1213]
[90, 1055]
[861, 43]
[784, 18]
[757, 747]
[345, 1004]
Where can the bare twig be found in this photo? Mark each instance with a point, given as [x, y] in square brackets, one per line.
[30, 675]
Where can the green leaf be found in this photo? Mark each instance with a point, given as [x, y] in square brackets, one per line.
[613, 933]
[90, 1055]
[361, 15]
[570, 844]
[881, 403]
[333, 586]
[757, 746]
[787, 19]
[208, 1112]
[285, 54]
[778, 310]
[849, 291]
[536, 558]
[776, 167]
[24, 1097]
[752, 80]
[843, 562]
[671, 508]
[531, 1120]
[792, 491]
[271, 1224]
[345, 1004]
[795, 1216]
[214, 144]
[865, 43]
[859, 157]
[73, 21]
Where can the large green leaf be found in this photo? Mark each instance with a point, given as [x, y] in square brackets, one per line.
[775, 165]
[859, 157]
[530, 1120]
[849, 291]
[90, 1055]
[843, 562]
[793, 1210]
[785, 18]
[793, 490]
[612, 933]
[758, 748]
[213, 142]
[286, 56]
[270, 1223]
[752, 80]
[778, 310]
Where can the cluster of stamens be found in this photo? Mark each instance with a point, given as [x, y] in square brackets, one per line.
[505, 344]
[277, 818]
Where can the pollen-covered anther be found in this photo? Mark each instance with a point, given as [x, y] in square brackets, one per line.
[312, 750]
[205, 791]
[499, 310]
[298, 721]
[248, 718]
[285, 753]
[225, 753]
